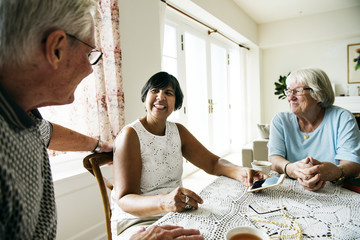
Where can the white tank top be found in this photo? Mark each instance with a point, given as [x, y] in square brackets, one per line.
[162, 163]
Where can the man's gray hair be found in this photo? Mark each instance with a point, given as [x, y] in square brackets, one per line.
[24, 24]
[318, 81]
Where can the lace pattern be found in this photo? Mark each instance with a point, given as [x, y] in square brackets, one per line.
[161, 158]
[331, 213]
[162, 164]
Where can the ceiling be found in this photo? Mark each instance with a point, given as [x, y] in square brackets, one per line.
[264, 11]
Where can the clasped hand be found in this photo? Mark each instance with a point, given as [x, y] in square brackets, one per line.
[312, 174]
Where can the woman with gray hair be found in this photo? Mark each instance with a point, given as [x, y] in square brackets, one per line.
[315, 141]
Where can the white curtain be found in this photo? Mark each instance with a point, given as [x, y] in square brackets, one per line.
[162, 15]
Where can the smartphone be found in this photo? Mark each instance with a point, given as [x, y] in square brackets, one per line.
[267, 183]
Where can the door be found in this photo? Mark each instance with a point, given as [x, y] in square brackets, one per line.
[219, 100]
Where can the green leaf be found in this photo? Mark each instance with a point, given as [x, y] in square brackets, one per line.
[357, 66]
[280, 87]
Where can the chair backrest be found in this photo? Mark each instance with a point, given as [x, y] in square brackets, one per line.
[92, 163]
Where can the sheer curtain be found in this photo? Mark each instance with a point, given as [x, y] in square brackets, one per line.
[162, 16]
[98, 109]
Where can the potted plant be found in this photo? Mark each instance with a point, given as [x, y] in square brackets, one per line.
[280, 87]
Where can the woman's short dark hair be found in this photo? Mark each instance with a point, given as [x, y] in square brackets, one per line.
[162, 80]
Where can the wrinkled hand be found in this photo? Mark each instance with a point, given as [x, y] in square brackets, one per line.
[312, 184]
[302, 169]
[175, 201]
[106, 147]
[248, 176]
[327, 170]
[167, 232]
[313, 174]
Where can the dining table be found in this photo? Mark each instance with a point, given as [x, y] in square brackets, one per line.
[287, 211]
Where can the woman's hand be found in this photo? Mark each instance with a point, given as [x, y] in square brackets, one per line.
[312, 184]
[180, 199]
[167, 232]
[301, 169]
[248, 176]
[327, 170]
[313, 174]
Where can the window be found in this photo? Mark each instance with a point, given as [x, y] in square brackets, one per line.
[201, 63]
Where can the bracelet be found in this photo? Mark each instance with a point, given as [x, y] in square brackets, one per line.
[98, 147]
[286, 172]
[341, 179]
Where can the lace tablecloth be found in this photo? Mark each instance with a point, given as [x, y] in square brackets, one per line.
[330, 213]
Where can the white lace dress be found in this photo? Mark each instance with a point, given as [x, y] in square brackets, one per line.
[162, 165]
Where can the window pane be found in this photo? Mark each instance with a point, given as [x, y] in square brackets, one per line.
[169, 65]
[220, 126]
[196, 87]
[169, 48]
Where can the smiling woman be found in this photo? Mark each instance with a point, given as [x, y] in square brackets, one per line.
[314, 133]
[148, 161]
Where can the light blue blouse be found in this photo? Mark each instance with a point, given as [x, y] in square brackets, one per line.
[336, 138]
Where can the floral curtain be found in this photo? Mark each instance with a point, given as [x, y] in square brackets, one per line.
[98, 109]
[108, 74]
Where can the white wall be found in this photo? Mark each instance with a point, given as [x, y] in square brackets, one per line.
[140, 47]
[229, 13]
[79, 206]
[313, 41]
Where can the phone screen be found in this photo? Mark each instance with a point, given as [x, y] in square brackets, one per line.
[266, 183]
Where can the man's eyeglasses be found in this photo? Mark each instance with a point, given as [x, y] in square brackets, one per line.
[271, 211]
[296, 91]
[94, 56]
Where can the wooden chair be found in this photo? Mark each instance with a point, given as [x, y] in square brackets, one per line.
[92, 163]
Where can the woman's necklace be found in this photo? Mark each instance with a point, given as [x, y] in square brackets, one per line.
[307, 131]
[306, 136]
[314, 124]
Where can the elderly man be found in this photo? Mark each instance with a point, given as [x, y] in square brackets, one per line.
[46, 50]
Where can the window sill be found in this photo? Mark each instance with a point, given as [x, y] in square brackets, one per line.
[71, 164]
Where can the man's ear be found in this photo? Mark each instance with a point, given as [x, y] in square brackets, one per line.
[55, 46]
